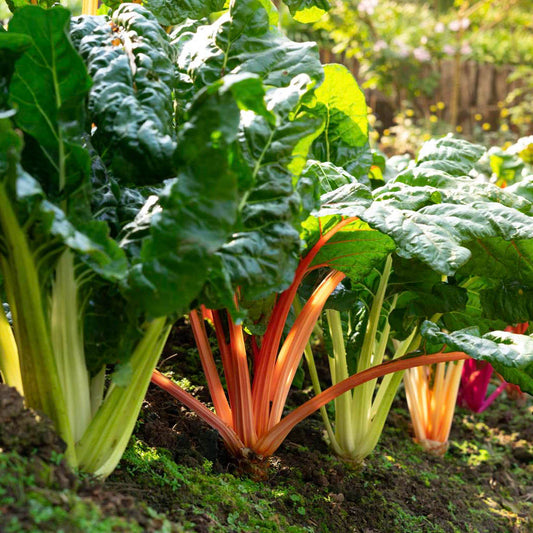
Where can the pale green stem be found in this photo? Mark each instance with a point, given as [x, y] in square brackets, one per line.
[67, 343]
[318, 389]
[343, 418]
[9, 357]
[362, 396]
[97, 387]
[308, 352]
[38, 367]
[107, 436]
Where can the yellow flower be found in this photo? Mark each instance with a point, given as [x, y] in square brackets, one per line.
[433, 108]
[506, 145]
[441, 105]
[478, 116]
[486, 126]
[386, 132]
[504, 127]
[426, 137]
[500, 104]
[369, 109]
[504, 112]
[433, 118]
[409, 112]
[459, 129]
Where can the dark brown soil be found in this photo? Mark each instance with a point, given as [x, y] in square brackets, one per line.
[31, 436]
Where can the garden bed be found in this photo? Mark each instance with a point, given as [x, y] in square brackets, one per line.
[177, 476]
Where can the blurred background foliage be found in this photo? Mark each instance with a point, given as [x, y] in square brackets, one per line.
[433, 67]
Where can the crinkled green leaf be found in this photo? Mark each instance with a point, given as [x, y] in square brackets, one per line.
[194, 214]
[245, 39]
[443, 221]
[268, 231]
[510, 354]
[454, 156]
[130, 103]
[172, 12]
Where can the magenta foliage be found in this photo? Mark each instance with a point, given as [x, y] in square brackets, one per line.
[474, 384]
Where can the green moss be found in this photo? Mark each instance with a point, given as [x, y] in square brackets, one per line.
[227, 501]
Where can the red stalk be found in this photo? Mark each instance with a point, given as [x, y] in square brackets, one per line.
[270, 442]
[210, 370]
[231, 439]
[227, 361]
[263, 386]
[243, 420]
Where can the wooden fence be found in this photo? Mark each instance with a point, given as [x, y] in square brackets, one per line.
[482, 88]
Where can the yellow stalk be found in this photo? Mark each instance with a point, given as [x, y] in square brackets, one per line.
[9, 357]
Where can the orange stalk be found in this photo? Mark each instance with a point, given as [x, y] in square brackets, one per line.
[292, 350]
[263, 388]
[243, 420]
[210, 370]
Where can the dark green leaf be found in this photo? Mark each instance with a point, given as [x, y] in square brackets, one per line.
[130, 103]
[172, 12]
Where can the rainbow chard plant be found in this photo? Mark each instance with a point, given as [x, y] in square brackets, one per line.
[449, 231]
[112, 211]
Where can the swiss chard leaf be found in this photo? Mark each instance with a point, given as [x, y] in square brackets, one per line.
[48, 90]
[172, 12]
[456, 157]
[245, 39]
[130, 104]
[267, 235]
[307, 11]
[194, 215]
[341, 103]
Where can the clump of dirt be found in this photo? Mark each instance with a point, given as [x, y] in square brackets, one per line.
[23, 430]
[35, 471]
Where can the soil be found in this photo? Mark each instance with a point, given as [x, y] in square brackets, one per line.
[177, 476]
